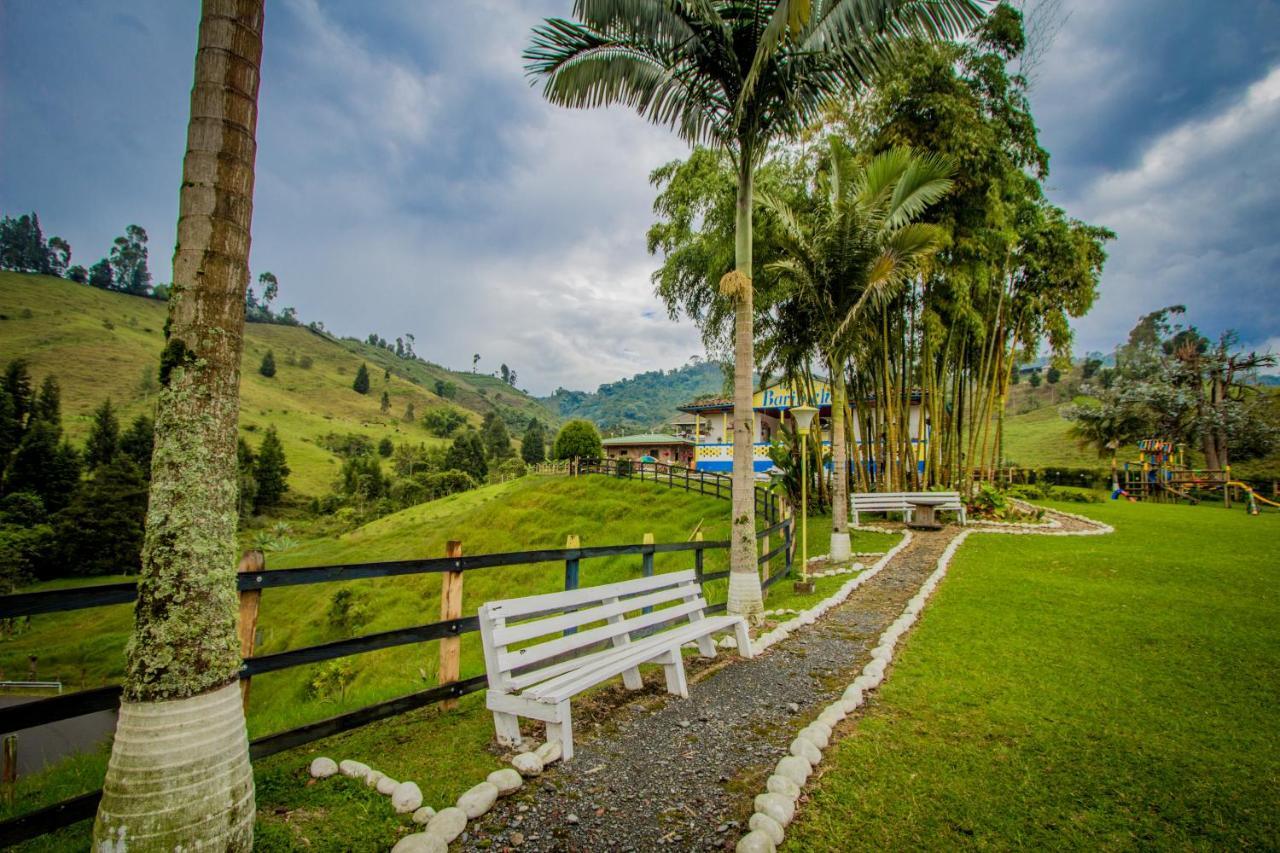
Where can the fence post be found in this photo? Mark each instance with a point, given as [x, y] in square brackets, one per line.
[647, 558]
[697, 558]
[764, 549]
[9, 773]
[787, 538]
[571, 543]
[247, 627]
[450, 609]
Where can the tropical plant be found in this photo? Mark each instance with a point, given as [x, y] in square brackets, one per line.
[179, 775]
[738, 76]
[849, 247]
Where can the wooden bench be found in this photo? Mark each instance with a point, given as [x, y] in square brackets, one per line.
[542, 650]
[901, 502]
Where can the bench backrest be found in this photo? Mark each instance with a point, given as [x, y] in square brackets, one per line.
[536, 623]
[872, 500]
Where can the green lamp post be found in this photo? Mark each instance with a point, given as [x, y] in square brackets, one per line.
[803, 416]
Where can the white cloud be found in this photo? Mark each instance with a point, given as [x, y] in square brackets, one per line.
[1193, 221]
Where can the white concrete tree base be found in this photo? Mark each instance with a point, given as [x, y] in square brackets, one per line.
[841, 550]
[179, 777]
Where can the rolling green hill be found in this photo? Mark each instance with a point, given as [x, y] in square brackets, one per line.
[101, 344]
[644, 402]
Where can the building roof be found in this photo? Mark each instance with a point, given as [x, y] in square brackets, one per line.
[683, 419]
[645, 438]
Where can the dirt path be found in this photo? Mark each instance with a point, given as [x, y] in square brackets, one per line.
[682, 774]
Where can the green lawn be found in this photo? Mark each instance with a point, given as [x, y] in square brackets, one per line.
[1108, 692]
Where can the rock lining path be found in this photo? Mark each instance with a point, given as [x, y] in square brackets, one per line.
[672, 774]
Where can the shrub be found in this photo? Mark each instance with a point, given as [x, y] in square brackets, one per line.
[347, 446]
[268, 366]
[385, 447]
[305, 362]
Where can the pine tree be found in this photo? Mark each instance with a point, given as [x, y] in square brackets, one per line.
[104, 436]
[271, 470]
[48, 403]
[138, 442]
[268, 366]
[385, 447]
[408, 413]
[497, 441]
[17, 383]
[385, 404]
[100, 531]
[361, 385]
[466, 454]
[533, 446]
[44, 466]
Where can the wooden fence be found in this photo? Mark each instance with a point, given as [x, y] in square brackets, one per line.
[254, 577]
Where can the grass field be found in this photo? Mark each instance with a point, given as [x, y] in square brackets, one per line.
[445, 753]
[1114, 692]
[100, 344]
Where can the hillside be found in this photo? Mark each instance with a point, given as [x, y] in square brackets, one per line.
[101, 344]
[646, 401]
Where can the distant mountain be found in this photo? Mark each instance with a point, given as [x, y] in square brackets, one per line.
[645, 401]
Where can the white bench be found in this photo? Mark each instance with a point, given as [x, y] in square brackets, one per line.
[901, 502]
[538, 679]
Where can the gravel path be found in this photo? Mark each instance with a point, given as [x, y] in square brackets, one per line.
[652, 772]
[682, 774]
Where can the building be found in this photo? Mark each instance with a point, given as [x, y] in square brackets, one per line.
[651, 447]
[713, 424]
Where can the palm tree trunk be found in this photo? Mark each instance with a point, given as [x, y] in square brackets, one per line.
[179, 775]
[840, 549]
[745, 597]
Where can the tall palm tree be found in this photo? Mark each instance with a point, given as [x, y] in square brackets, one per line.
[179, 775]
[849, 248]
[740, 76]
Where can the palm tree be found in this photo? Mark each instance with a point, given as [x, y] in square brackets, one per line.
[851, 246]
[179, 776]
[739, 76]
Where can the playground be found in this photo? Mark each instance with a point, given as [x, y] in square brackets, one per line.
[1162, 473]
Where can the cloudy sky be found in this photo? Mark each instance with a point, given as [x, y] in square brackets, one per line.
[410, 180]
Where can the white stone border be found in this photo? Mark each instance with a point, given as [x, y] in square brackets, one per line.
[808, 617]
[776, 807]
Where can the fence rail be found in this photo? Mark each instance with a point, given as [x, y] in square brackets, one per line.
[257, 578]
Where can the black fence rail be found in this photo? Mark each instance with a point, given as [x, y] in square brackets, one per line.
[66, 706]
[711, 483]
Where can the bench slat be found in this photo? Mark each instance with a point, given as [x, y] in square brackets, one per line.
[513, 608]
[537, 676]
[512, 634]
[575, 681]
[508, 661]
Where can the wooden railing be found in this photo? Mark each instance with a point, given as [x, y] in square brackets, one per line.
[710, 483]
[255, 579]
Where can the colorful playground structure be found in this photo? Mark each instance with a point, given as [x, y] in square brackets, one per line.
[1160, 473]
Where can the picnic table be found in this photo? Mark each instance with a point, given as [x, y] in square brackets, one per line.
[923, 516]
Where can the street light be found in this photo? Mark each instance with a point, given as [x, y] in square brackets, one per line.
[803, 416]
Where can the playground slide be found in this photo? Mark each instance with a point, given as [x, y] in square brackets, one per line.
[1179, 493]
[1253, 494]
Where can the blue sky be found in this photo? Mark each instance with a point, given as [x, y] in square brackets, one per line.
[409, 179]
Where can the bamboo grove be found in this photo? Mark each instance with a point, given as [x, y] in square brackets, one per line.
[906, 250]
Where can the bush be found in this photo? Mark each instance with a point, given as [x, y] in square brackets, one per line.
[385, 448]
[443, 422]
[305, 362]
[624, 468]
[268, 366]
[347, 446]
[511, 469]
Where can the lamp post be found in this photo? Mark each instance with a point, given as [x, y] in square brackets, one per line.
[803, 416]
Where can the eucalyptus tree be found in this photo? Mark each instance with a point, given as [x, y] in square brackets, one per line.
[738, 76]
[847, 249]
[179, 775]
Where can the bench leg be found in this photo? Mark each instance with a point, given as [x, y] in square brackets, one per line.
[743, 637]
[673, 667]
[562, 730]
[706, 646]
[508, 726]
[631, 679]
